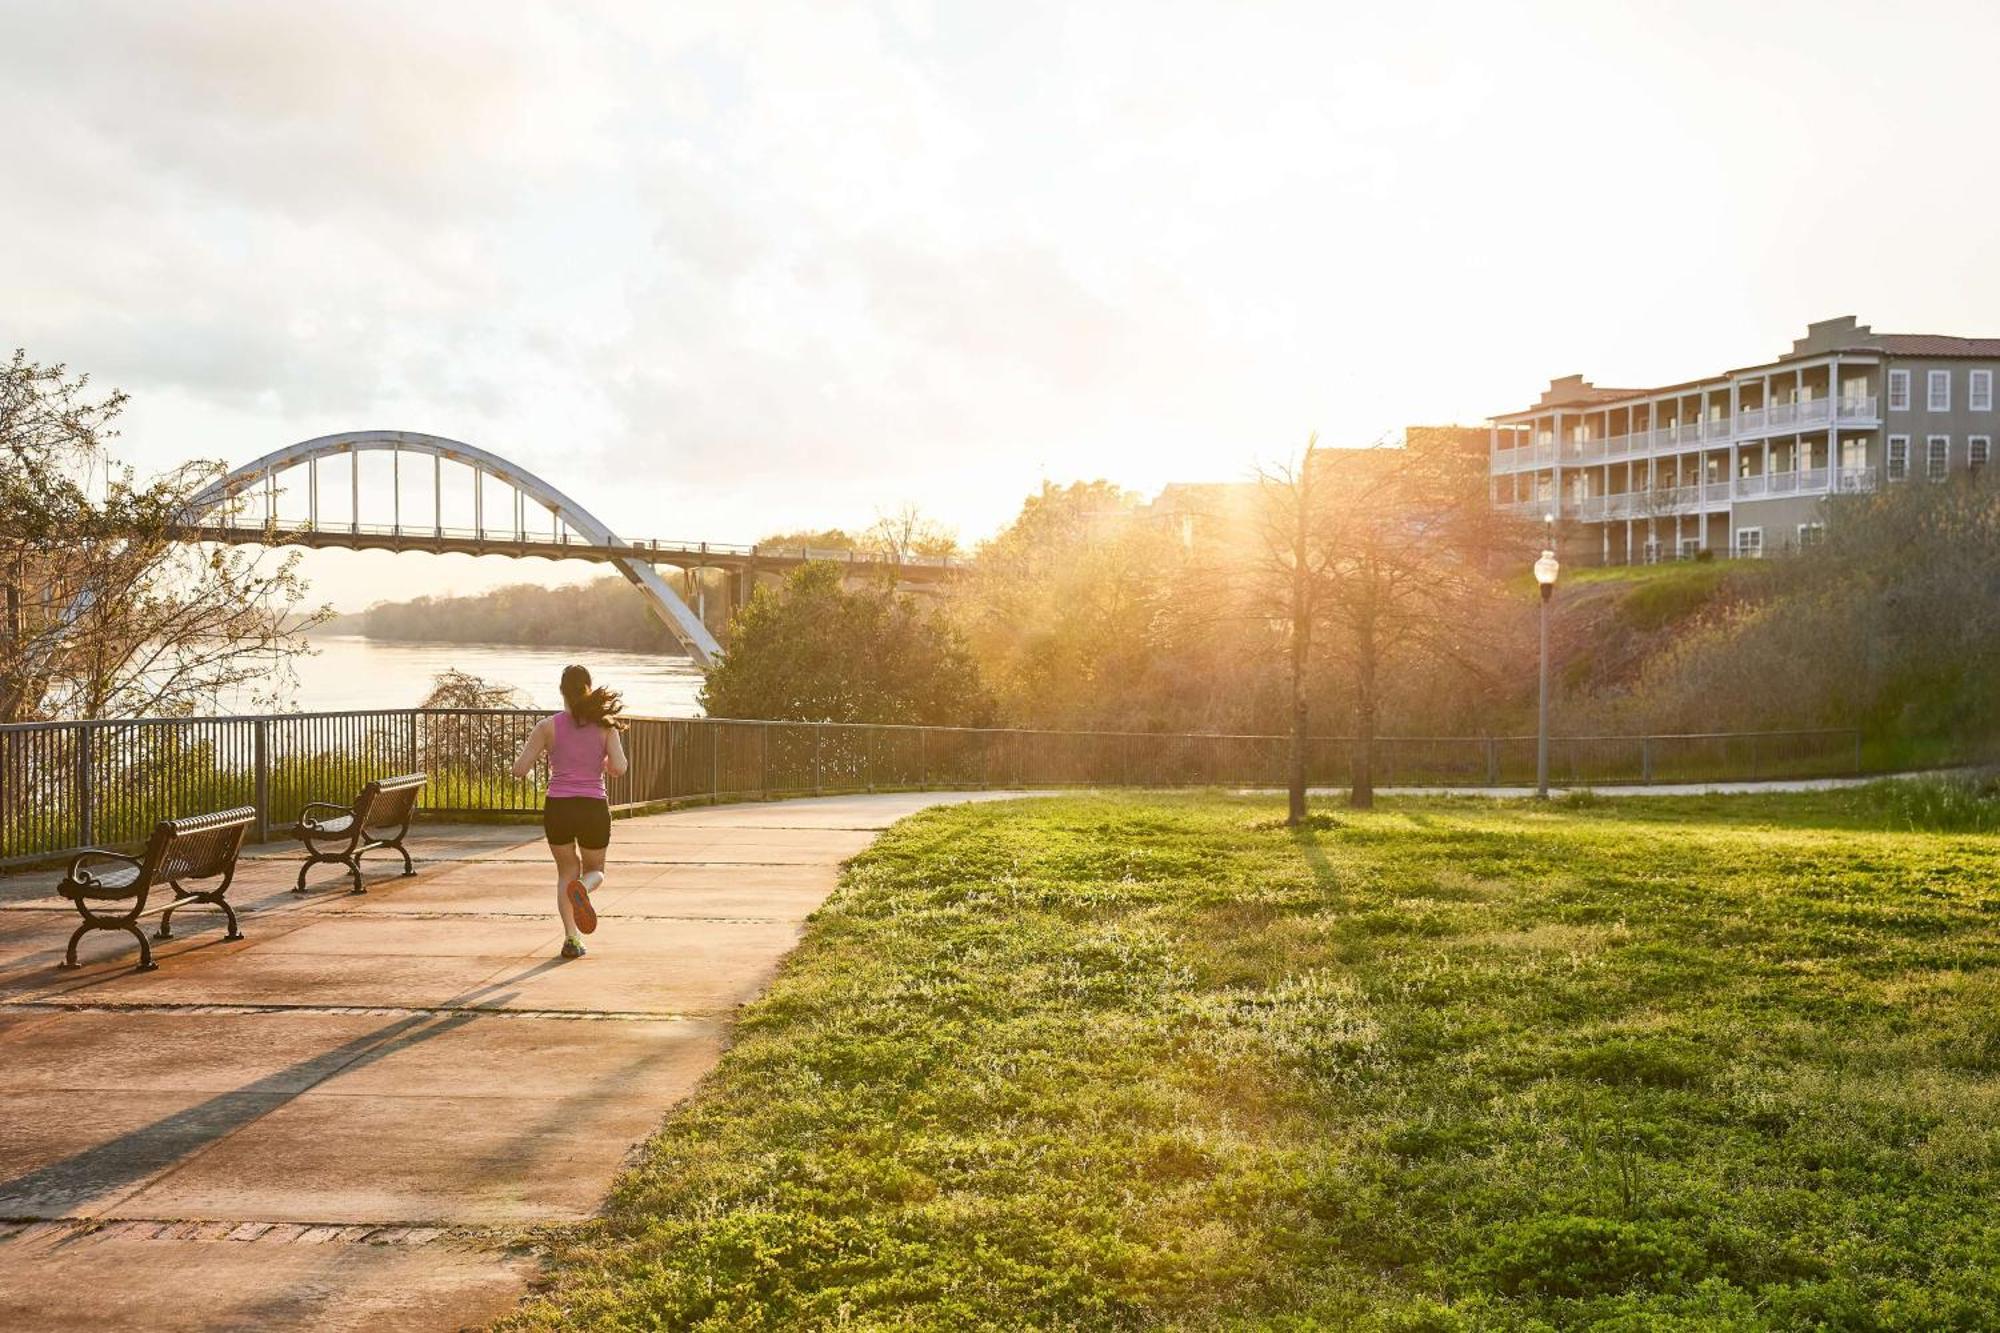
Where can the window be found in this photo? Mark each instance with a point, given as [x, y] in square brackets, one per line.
[1899, 457]
[1899, 391]
[1750, 543]
[1938, 397]
[1979, 391]
[1690, 547]
[1811, 534]
[1978, 450]
[1937, 456]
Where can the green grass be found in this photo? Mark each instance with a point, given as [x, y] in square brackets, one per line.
[1133, 1062]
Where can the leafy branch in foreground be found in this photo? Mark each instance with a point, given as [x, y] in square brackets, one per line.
[105, 610]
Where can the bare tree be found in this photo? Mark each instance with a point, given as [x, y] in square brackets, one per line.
[1412, 537]
[1295, 560]
[107, 612]
[906, 532]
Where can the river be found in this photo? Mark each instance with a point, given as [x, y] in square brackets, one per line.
[351, 671]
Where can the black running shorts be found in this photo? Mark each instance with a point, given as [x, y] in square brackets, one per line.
[583, 820]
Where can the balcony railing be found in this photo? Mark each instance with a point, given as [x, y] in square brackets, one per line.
[1855, 480]
[1771, 419]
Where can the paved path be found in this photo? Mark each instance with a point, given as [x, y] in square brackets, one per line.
[1624, 789]
[345, 1120]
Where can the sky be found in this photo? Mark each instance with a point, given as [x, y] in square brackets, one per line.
[720, 271]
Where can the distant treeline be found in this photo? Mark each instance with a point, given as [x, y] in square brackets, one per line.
[606, 613]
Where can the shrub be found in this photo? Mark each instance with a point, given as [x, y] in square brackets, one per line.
[1959, 803]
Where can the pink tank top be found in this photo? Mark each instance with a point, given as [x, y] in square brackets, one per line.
[576, 758]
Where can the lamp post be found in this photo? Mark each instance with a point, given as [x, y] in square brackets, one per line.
[1546, 570]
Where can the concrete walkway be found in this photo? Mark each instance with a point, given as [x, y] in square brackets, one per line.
[346, 1120]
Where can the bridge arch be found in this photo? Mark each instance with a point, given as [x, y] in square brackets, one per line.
[675, 613]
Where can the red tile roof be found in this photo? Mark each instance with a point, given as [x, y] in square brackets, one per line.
[1936, 344]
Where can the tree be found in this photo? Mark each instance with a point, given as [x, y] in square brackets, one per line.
[1295, 560]
[1382, 555]
[907, 533]
[106, 611]
[1062, 606]
[452, 688]
[815, 651]
[812, 539]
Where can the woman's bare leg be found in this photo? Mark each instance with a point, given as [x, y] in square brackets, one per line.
[593, 866]
[566, 870]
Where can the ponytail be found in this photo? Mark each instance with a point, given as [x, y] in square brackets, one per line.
[589, 707]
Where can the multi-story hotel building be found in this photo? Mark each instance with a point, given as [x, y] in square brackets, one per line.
[1741, 463]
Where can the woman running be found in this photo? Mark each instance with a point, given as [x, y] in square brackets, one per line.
[583, 745]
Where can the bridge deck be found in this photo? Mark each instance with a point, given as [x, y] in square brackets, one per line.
[460, 541]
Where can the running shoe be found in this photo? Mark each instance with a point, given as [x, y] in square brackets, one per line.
[573, 948]
[580, 908]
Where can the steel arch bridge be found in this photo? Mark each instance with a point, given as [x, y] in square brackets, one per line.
[226, 512]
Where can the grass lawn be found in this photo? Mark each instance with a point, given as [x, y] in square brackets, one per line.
[1154, 1061]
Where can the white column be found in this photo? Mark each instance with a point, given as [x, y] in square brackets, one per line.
[354, 490]
[437, 495]
[1493, 465]
[1556, 470]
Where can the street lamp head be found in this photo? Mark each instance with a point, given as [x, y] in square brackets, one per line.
[1546, 570]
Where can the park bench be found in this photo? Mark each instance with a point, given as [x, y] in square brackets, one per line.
[110, 889]
[378, 820]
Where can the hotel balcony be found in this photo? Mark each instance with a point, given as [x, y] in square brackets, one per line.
[1695, 498]
[1755, 423]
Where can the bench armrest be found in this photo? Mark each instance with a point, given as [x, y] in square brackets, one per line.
[80, 873]
[306, 819]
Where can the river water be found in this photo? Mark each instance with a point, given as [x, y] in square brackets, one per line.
[351, 671]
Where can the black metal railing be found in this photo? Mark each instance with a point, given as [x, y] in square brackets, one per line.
[66, 785]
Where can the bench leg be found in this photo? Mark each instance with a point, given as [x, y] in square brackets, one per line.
[69, 958]
[312, 859]
[354, 868]
[409, 866]
[146, 963]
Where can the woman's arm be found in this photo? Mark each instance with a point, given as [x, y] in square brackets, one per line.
[531, 753]
[615, 762]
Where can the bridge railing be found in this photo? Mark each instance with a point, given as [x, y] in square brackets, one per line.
[250, 526]
[69, 785]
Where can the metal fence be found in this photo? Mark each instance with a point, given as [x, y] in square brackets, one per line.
[68, 785]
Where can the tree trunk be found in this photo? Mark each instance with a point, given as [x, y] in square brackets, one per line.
[1361, 795]
[1295, 810]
